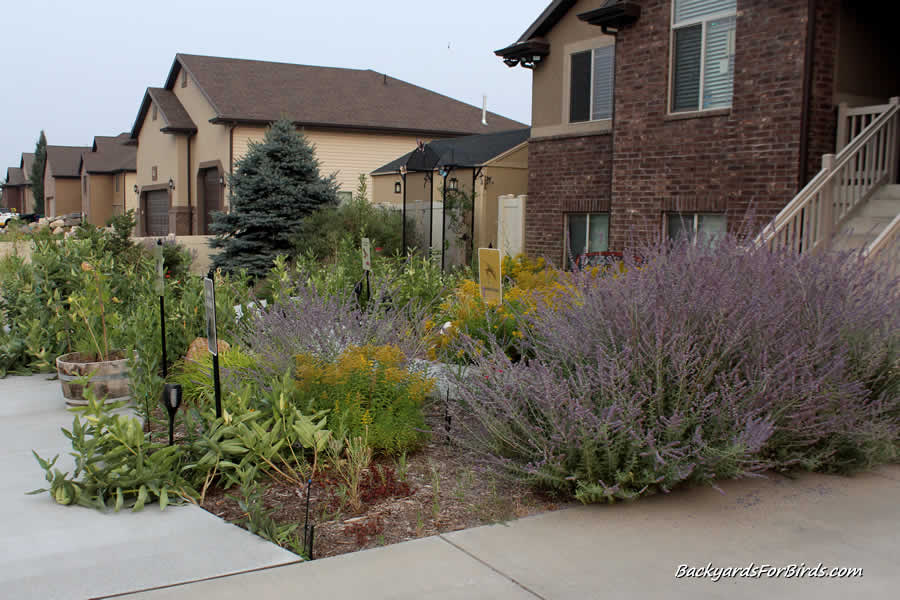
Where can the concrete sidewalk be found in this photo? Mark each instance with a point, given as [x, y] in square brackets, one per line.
[624, 551]
[51, 551]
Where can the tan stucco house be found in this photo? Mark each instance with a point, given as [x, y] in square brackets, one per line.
[62, 180]
[191, 131]
[493, 164]
[108, 176]
[17, 192]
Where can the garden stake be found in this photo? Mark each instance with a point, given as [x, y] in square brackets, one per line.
[306, 521]
[160, 290]
[447, 416]
[312, 531]
[212, 341]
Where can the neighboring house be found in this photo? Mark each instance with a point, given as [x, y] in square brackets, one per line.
[108, 176]
[14, 190]
[62, 180]
[664, 117]
[494, 164]
[191, 132]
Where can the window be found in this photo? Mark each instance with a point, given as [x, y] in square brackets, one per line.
[154, 113]
[184, 78]
[697, 226]
[84, 184]
[591, 84]
[344, 197]
[702, 54]
[116, 178]
[153, 173]
[587, 233]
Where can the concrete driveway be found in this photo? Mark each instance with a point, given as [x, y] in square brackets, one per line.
[51, 551]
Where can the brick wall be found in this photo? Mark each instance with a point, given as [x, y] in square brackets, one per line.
[564, 175]
[822, 111]
[747, 157]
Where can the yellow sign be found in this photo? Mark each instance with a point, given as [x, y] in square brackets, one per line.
[489, 275]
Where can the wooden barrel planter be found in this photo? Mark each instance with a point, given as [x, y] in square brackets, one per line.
[109, 379]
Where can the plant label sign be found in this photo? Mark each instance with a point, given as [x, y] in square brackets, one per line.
[489, 275]
[160, 269]
[210, 302]
[366, 254]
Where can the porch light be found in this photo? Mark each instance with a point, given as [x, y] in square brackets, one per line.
[136, 188]
[397, 187]
[171, 184]
[454, 183]
[222, 180]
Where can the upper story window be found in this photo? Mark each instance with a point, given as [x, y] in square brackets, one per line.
[184, 78]
[153, 116]
[591, 84]
[702, 54]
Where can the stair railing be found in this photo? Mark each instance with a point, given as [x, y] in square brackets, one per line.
[846, 180]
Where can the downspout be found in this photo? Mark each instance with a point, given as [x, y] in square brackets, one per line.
[475, 174]
[803, 167]
[189, 176]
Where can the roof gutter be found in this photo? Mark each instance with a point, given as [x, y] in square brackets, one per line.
[803, 167]
[266, 122]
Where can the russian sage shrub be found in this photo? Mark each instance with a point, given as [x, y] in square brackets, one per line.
[695, 364]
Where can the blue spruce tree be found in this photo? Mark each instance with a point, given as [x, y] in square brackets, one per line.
[274, 187]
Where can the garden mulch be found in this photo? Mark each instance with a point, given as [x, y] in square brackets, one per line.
[439, 489]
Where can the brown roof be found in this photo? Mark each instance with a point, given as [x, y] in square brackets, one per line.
[15, 176]
[261, 92]
[26, 163]
[111, 155]
[175, 118]
[65, 161]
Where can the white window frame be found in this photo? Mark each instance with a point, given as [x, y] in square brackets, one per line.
[704, 22]
[587, 232]
[695, 218]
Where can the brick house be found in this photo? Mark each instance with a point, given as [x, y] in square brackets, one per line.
[657, 117]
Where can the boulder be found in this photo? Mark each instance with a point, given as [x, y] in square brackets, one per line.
[57, 223]
[57, 230]
[199, 348]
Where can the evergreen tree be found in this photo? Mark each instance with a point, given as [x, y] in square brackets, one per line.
[37, 173]
[276, 185]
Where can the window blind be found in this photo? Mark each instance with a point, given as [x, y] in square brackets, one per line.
[694, 9]
[718, 81]
[686, 82]
[604, 71]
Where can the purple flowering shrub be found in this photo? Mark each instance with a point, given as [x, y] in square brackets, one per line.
[696, 365]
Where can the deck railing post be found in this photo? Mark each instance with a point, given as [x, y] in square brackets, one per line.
[842, 132]
[893, 144]
[826, 204]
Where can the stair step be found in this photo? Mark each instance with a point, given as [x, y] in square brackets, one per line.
[881, 206]
[866, 225]
[889, 191]
[856, 241]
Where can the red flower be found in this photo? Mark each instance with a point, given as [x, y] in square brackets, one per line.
[377, 248]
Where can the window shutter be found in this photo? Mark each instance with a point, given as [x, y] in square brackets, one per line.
[580, 89]
[718, 82]
[692, 9]
[686, 82]
[604, 71]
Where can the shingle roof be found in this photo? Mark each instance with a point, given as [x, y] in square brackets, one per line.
[15, 176]
[257, 91]
[174, 116]
[468, 151]
[111, 155]
[26, 163]
[65, 161]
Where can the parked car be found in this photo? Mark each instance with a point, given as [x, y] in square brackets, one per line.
[6, 216]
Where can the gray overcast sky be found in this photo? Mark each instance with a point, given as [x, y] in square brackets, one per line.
[79, 69]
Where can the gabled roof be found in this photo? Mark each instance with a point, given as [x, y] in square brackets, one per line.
[468, 151]
[252, 91]
[547, 19]
[26, 163]
[111, 155]
[175, 117]
[65, 161]
[14, 177]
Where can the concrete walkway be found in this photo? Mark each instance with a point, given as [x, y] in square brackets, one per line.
[51, 551]
[624, 551]
[619, 551]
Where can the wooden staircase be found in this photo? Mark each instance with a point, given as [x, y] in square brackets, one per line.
[853, 203]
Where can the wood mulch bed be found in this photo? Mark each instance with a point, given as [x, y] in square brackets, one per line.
[437, 490]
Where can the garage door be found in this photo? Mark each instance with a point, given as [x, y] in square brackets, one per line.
[158, 213]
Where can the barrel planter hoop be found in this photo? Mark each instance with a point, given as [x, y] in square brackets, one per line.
[109, 379]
